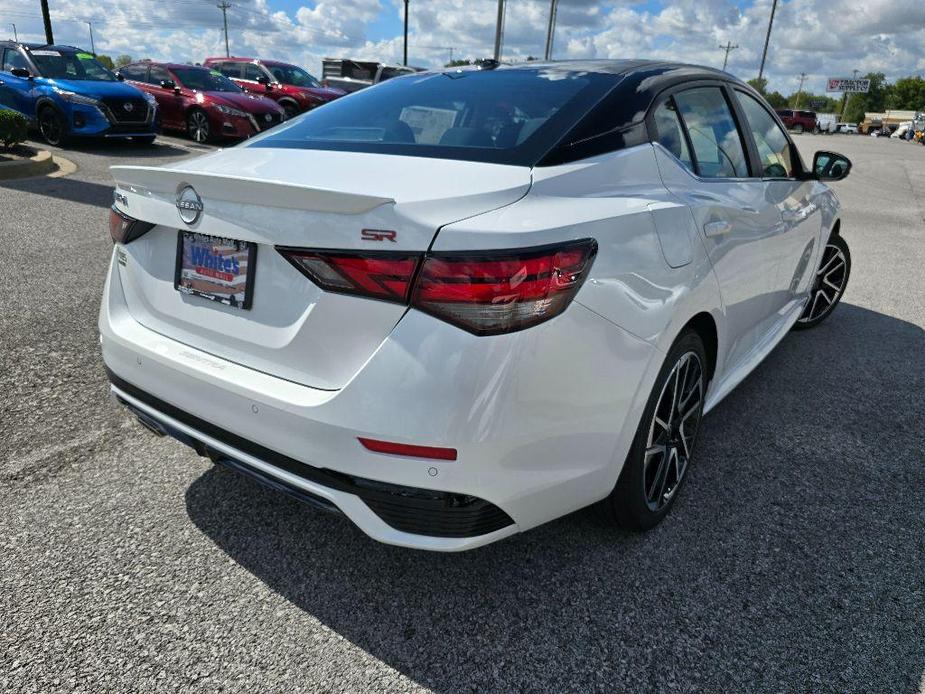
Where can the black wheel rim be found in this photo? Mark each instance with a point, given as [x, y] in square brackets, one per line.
[828, 285]
[50, 125]
[199, 126]
[673, 431]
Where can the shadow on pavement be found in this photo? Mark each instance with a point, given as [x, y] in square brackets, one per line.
[125, 149]
[792, 561]
[64, 188]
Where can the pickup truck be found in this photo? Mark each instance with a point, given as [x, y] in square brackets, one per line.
[353, 75]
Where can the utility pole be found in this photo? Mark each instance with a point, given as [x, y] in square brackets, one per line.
[844, 97]
[46, 17]
[92, 47]
[15, 35]
[499, 30]
[767, 40]
[406, 35]
[224, 6]
[800, 90]
[551, 30]
[728, 47]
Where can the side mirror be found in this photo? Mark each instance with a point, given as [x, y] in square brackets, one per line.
[170, 84]
[829, 166]
[21, 72]
[120, 77]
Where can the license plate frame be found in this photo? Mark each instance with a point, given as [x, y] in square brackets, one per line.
[226, 258]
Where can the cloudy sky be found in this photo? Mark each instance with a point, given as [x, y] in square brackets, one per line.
[820, 37]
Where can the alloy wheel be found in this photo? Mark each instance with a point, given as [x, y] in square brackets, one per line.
[828, 285]
[51, 127]
[198, 123]
[673, 431]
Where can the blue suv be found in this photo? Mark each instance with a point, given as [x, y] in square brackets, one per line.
[67, 93]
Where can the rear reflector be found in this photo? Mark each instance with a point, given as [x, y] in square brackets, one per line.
[483, 292]
[408, 450]
[500, 292]
[123, 228]
[384, 276]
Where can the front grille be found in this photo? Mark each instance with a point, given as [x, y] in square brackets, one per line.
[409, 509]
[263, 124]
[136, 113]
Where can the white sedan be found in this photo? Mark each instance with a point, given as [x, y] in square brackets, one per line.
[460, 304]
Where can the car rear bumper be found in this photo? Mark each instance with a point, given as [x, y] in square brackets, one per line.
[541, 420]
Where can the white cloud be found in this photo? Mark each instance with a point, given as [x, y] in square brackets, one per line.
[820, 37]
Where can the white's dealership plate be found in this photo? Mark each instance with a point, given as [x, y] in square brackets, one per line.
[216, 268]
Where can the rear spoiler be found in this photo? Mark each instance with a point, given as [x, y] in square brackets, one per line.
[240, 189]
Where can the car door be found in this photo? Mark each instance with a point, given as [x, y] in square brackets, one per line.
[704, 162]
[794, 244]
[16, 92]
[171, 103]
[252, 73]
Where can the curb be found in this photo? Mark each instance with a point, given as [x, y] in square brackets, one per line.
[39, 165]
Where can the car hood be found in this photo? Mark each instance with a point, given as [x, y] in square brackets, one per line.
[96, 89]
[249, 103]
[325, 93]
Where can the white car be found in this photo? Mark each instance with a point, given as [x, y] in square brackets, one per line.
[847, 128]
[460, 304]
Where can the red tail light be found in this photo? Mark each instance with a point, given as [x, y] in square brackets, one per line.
[384, 276]
[406, 449]
[502, 291]
[123, 228]
[485, 293]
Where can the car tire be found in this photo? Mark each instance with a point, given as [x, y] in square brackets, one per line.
[828, 285]
[147, 140]
[658, 461]
[290, 108]
[197, 126]
[798, 129]
[52, 126]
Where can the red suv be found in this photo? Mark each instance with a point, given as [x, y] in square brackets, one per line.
[289, 85]
[798, 121]
[202, 102]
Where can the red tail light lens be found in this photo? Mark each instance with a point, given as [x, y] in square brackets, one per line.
[501, 292]
[123, 228]
[485, 293]
[385, 276]
[409, 450]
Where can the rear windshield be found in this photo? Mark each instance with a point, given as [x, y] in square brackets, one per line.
[505, 116]
[204, 80]
[69, 65]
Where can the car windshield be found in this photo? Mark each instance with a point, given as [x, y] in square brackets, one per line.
[505, 116]
[70, 65]
[204, 80]
[296, 76]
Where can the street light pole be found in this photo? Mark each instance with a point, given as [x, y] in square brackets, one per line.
[499, 28]
[46, 18]
[767, 40]
[405, 62]
[551, 29]
[92, 47]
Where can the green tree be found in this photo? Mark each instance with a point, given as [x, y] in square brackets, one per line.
[760, 85]
[123, 60]
[776, 100]
[907, 94]
[105, 61]
[816, 102]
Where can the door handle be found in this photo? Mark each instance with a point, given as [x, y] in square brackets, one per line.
[717, 228]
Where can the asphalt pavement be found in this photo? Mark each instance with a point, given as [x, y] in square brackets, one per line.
[794, 560]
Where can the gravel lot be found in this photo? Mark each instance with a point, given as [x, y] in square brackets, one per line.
[794, 560]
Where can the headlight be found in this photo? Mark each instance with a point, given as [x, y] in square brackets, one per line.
[75, 98]
[152, 102]
[228, 111]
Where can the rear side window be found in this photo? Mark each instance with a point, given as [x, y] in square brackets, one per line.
[773, 146]
[229, 69]
[13, 59]
[253, 72]
[670, 132]
[716, 141]
[158, 75]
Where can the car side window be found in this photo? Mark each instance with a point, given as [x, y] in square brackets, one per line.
[670, 133]
[133, 72]
[13, 58]
[158, 75]
[252, 72]
[717, 144]
[229, 69]
[773, 146]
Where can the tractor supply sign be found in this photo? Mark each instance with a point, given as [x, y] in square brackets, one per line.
[844, 84]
